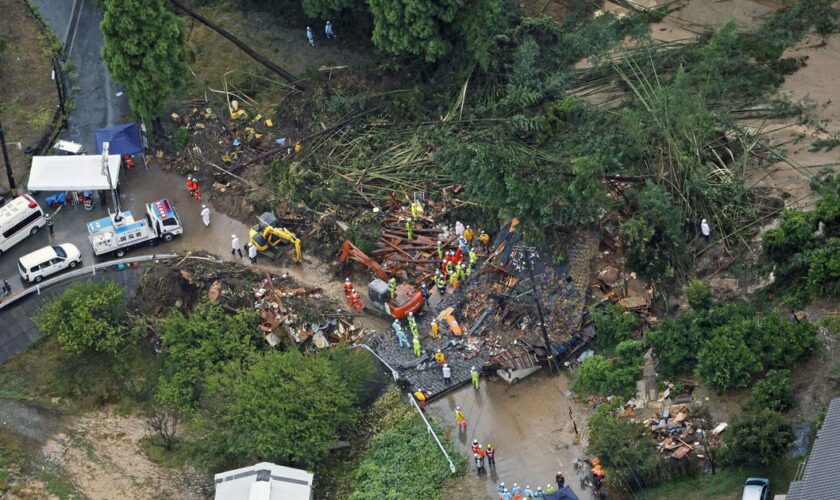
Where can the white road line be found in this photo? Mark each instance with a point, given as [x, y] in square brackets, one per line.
[75, 28]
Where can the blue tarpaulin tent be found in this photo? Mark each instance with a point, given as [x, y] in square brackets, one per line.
[122, 139]
[565, 494]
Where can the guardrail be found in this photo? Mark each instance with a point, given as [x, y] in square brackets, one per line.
[36, 289]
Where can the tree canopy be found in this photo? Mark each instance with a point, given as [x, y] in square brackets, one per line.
[144, 51]
[87, 318]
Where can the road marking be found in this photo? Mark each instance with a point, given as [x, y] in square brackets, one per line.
[73, 28]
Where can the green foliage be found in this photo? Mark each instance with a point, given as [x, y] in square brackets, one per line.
[729, 344]
[87, 318]
[403, 462]
[281, 407]
[143, 49]
[196, 345]
[600, 376]
[182, 137]
[624, 448]
[773, 392]
[794, 235]
[757, 438]
[428, 28]
[824, 270]
[328, 8]
[653, 237]
[613, 325]
[698, 293]
[726, 360]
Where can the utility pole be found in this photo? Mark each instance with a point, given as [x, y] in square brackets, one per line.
[107, 172]
[9, 174]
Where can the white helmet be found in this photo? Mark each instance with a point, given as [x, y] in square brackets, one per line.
[475, 441]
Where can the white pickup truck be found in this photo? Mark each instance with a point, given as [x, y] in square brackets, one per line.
[117, 235]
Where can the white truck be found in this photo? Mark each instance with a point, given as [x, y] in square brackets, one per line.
[117, 233]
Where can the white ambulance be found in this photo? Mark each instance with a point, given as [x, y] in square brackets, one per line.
[19, 218]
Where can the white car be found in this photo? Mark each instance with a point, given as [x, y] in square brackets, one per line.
[47, 261]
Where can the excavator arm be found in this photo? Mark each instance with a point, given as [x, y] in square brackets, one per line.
[350, 252]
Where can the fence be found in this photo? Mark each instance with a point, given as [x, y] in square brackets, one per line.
[92, 270]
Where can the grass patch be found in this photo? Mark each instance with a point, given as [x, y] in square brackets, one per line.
[726, 484]
[177, 458]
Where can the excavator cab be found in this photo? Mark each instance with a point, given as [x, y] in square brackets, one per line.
[268, 235]
[408, 299]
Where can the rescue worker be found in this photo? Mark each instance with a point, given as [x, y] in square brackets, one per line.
[328, 31]
[435, 329]
[473, 257]
[252, 253]
[491, 455]
[49, 219]
[205, 215]
[468, 270]
[440, 283]
[415, 341]
[235, 246]
[469, 234]
[501, 488]
[463, 246]
[561, 480]
[516, 490]
[447, 376]
[356, 301]
[416, 209]
[705, 229]
[453, 280]
[476, 448]
[424, 292]
[474, 376]
[298, 148]
[422, 397]
[412, 325]
[128, 161]
[440, 250]
[484, 239]
[440, 357]
[310, 36]
[460, 419]
[539, 493]
[450, 266]
[409, 228]
[507, 495]
[462, 272]
[401, 337]
[459, 228]
[197, 192]
[392, 288]
[189, 185]
[549, 489]
[348, 287]
[529, 493]
[479, 463]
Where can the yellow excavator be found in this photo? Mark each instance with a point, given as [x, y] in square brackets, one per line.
[267, 236]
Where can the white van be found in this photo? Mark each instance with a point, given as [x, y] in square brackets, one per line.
[47, 261]
[19, 218]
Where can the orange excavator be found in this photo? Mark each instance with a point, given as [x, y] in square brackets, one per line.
[407, 300]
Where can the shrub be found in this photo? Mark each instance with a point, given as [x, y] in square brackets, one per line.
[793, 236]
[613, 325]
[824, 270]
[757, 438]
[675, 344]
[87, 318]
[725, 360]
[624, 448]
[698, 293]
[773, 391]
[604, 377]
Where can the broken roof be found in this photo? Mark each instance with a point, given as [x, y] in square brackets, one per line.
[820, 479]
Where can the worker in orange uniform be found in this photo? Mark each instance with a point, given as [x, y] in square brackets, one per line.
[440, 357]
[348, 287]
[128, 161]
[356, 301]
[190, 185]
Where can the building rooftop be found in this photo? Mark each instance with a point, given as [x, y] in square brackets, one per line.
[820, 480]
[264, 481]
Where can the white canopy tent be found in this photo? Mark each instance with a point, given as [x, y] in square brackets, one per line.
[72, 173]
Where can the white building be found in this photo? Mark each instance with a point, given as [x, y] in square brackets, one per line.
[264, 481]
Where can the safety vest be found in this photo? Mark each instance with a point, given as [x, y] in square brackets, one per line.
[435, 329]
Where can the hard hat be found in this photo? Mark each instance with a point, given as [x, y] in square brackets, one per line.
[203, 206]
[457, 407]
[439, 241]
[446, 365]
[527, 486]
[308, 28]
[472, 368]
[559, 472]
[475, 455]
[502, 484]
[515, 485]
[411, 314]
[347, 280]
[233, 236]
[468, 227]
[489, 445]
[548, 485]
[475, 441]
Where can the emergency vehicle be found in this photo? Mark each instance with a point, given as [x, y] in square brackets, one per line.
[117, 233]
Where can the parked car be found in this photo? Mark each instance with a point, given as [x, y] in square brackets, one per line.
[756, 488]
[19, 218]
[47, 261]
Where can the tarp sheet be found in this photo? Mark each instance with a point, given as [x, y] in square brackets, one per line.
[122, 139]
[565, 494]
[72, 173]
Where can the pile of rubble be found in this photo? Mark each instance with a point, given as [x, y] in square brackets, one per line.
[298, 314]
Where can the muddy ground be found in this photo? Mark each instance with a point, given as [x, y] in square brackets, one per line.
[28, 96]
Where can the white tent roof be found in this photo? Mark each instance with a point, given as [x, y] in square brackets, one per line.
[72, 173]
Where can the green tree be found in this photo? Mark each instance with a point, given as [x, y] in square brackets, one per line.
[87, 318]
[328, 8]
[613, 325]
[144, 51]
[281, 407]
[624, 448]
[824, 270]
[781, 341]
[196, 345]
[794, 235]
[757, 438]
[429, 28]
[607, 377]
[773, 391]
[675, 344]
[725, 360]
[698, 293]
[653, 238]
